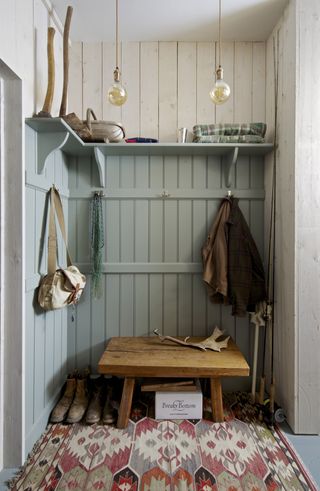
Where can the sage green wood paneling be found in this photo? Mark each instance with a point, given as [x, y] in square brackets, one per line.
[156, 231]
[30, 233]
[184, 231]
[243, 173]
[127, 173]
[156, 172]
[199, 327]
[170, 304]
[213, 316]
[170, 172]
[185, 306]
[127, 305]
[141, 305]
[46, 333]
[141, 169]
[156, 318]
[49, 171]
[199, 222]
[185, 172]
[39, 365]
[141, 231]
[199, 172]
[49, 359]
[71, 340]
[113, 166]
[214, 172]
[145, 232]
[127, 230]
[57, 355]
[41, 252]
[83, 244]
[113, 303]
[112, 228]
[30, 352]
[98, 322]
[83, 345]
[170, 231]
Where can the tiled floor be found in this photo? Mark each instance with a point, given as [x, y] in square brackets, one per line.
[306, 446]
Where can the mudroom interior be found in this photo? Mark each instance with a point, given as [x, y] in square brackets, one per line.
[160, 237]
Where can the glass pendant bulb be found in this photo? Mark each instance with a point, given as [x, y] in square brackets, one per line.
[117, 94]
[220, 92]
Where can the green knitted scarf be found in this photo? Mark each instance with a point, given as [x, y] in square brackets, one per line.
[97, 244]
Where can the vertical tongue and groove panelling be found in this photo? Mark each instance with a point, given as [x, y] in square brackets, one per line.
[152, 262]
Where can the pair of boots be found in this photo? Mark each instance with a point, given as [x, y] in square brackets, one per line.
[100, 406]
[74, 401]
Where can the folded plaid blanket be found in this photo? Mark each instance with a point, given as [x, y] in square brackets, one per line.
[229, 139]
[258, 129]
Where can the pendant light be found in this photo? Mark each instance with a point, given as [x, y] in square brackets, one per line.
[220, 92]
[117, 94]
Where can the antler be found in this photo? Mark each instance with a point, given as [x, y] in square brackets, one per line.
[208, 343]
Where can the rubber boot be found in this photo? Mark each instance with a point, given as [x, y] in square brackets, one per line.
[80, 402]
[59, 412]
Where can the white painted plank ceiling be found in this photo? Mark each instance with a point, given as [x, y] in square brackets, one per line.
[171, 20]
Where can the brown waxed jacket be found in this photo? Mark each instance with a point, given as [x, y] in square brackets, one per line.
[232, 266]
[215, 256]
[246, 279]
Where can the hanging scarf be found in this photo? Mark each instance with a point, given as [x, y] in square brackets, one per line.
[97, 243]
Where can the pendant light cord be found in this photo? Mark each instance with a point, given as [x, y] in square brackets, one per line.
[117, 33]
[219, 33]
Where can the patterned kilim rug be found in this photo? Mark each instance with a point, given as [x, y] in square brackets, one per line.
[239, 454]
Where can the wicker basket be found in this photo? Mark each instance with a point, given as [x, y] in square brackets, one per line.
[108, 131]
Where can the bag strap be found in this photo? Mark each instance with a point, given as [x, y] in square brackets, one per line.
[56, 208]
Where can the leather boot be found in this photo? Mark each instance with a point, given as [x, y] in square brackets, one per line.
[59, 412]
[109, 415]
[80, 402]
[94, 411]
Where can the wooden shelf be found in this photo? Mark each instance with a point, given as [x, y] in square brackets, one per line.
[54, 133]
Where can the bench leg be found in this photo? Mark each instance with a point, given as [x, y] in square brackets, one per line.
[126, 402]
[216, 400]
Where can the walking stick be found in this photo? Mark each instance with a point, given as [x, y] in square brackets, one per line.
[66, 31]
[46, 110]
[272, 251]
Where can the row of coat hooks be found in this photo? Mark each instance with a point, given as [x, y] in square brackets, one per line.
[164, 194]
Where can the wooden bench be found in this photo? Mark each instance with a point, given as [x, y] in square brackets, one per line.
[134, 357]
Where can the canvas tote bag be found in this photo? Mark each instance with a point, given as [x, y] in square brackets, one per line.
[60, 287]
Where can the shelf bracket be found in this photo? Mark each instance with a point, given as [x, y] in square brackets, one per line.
[229, 161]
[48, 143]
[100, 160]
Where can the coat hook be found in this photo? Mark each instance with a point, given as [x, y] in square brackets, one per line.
[165, 194]
[100, 194]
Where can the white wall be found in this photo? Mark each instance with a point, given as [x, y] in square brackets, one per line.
[23, 47]
[285, 226]
[168, 84]
[307, 199]
[297, 365]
